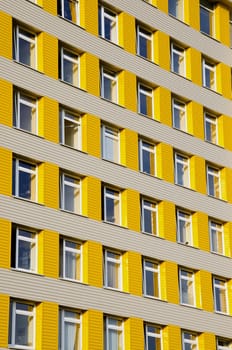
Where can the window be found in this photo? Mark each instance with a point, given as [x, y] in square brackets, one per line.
[207, 18]
[24, 180]
[25, 112]
[109, 85]
[211, 128]
[151, 279]
[179, 114]
[70, 129]
[107, 24]
[220, 295]
[216, 237]
[69, 67]
[189, 341]
[70, 193]
[145, 100]
[112, 206]
[70, 330]
[113, 333]
[182, 170]
[153, 337]
[213, 181]
[177, 59]
[68, 9]
[144, 43]
[209, 74]
[223, 344]
[186, 280]
[25, 46]
[176, 8]
[147, 162]
[231, 29]
[70, 259]
[24, 249]
[149, 217]
[113, 269]
[22, 325]
[110, 143]
[184, 227]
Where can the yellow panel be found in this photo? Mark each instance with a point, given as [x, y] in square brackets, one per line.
[127, 90]
[5, 239]
[89, 15]
[49, 5]
[128, 149]
[207, 341]
[92, 273]
[127, 34]
[167, 220]
[195, 119]
[4, 320]
[92, 330]
[193, 66]
[48, 181]
[48, 54]
[228, 239]
[171, 337]
[134, 334]
[90, 72]
[91, 135]
[192, 13]
[224, 134]
[47, 326]
[132, 273]
[197, 174]
[165, 166]
[49, 119]
[226, 189]
[6, 35]
[222, 17]
[131, 210]
[5, 171]
[223, 85]
[91, 206]
[162, 52]
[161, 4]
[203, 289]
[6, 101]
[169, 282]
[163, 109]
[48, 247]
[200, 230]
[229, 291]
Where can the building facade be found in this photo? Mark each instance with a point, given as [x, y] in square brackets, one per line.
[115, 175]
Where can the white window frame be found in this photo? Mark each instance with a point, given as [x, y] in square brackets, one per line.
[34, 172]
[211, 19]
[20, 35]
[156, 335]
[73, 185]
[148, 92]
[180, 107]
[193, 342]
[29, 101]
[155, 271]
[215, 174]
[216, 229]
[147, 205]
[29, 314]
[180, 52]
[190, 280]
[113, 134]
[151, 149]
[221, 289]
[147, 35]
[68, 55]
[106, 13]
[118, 329]
[183, 161]
[76, 9]
[32, 241]
[211, 67]
[72, 320]
[116, 197]
[178, 15]
[77, 252]
[75, 119]
[227, 346]
[112, 76]
[117, 263]
[212, 121]
[185, 217]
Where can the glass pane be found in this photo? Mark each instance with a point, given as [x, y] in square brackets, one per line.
[27, 116]
[71, 133]
[71, 336]
[24, 255]
[70, 73]
[206, 21]
[26, 52]
[23, 330]
[145, 47]
[25, 190]
[70, 10]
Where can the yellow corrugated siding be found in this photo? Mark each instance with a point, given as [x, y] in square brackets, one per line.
[49, 6]
[93, 264]
[228, 239]
[222, 16]
[161, 4]
[163, 108]
[4, 320]
[89, 15]
[197, 174]
[127, 90]
[167, 220]
[192, 13]
[5, 239]
[127, 32]
[47, 326]
[162, 55]
[6, 102]
[223, 85]
[89, 73]
[130, 209]
[165, 166]
[48, 54]
[203, 289]
[5, 172]
[92, 330]
[226, 188]
[91, 135]
[48, 259]
[169, 282]
[6, 35]
[134, 334]
[91, 190]
[128, 150]
[207, 341]
[193, 66]
[48, 120]
[229, 291]
[48, 185]
[171, 337]
[195, 119]
[132, 273]
[200, 231]
[224, 132]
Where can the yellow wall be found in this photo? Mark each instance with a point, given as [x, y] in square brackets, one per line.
[223, 85]
[89, 73]
[165, 166]
[4, 320]
[5, 239]
[6, 35]
[128, 150]
[127, 32]
[92, 263]
[131, 209]
[197, 174]
[222, 24]
[91, 190]
[49, 5]
[48, 248]
[92, 323]
[192, 13]
[163, 108]
[203, 288]
[48, 119]
[5, 172]
[224, 135]
[127, 90]
[172, 337]
[162, 55]
[228, 239]
[89, 15]
[207, 341]
[134, 335]
[48, 181]
[47, 326]
[193, 66]
[169, 282]
[48, 54]
[167, 220]
[91, 135]
[200, 231]
[226, 189]
[132, 273]
[195, 119]
[6, 101]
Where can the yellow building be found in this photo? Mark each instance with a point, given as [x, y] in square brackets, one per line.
[115, 175]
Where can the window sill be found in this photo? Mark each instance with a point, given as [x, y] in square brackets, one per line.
[151, 235]
[147, 116]
[35, 3]
[115, 290]
[72, 212]
[72, 280]
[73, 148]
[27, 272]
[222, 313]
[112, 162]
[153, 298]
[212, 90]
[191, 306]
[117, 225]
[28, 132]
[153, 176]
[180, 75]
[214, 144]
[220, 254]
[187, 245]
[187, 188]
[114, 103]
[111, 42]
[27, 200]
[210, 36]
[146, 59]
[217, 198]
[71, 22]
[25, 65]
[69, 84]
[183, 131]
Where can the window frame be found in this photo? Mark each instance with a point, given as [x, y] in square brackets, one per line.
[155, 270]
[189, 341]
[75, 118]
[31, 240]
[182, 179]
[148, 36]
[32, 42]
[64, 249]
[117, 263]
[216, 228]
[75, 186]
[155, 335]
[226, 346]
[181, 107]
[151, 211]
[113, 78]
[147, 91]
[24, 99]
[221, 289]
[152, 153]
[179, 51]
[181, 18]
[211, 120]
[72, 320]
[114, 197]
[181, 217]
[213, 172]
[16, 183]
[106, 13]
[61, 9]
[191, 294]
[118, 329]
[205, 6]
[113, 134]
[66, 54]
[208, 66]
